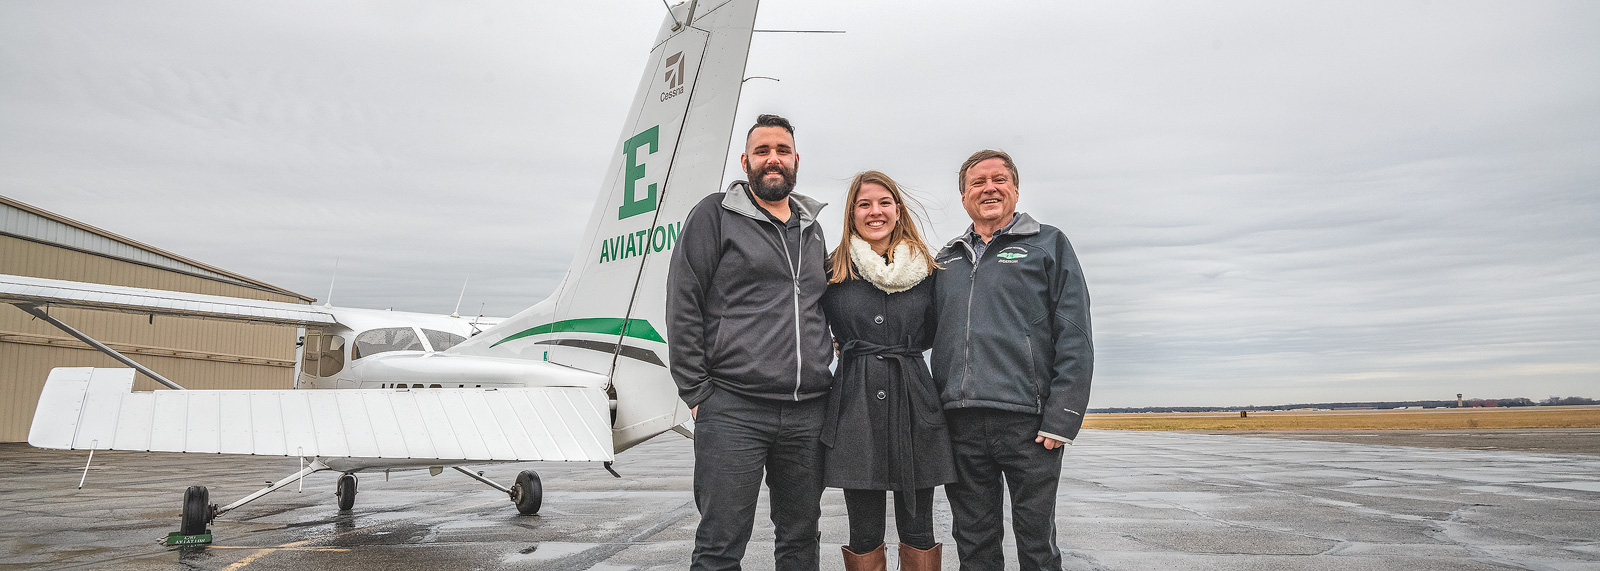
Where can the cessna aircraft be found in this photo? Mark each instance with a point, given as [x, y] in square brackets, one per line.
[580, 376]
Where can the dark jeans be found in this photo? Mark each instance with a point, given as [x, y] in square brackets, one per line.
[913, 518]
[991, 445]
[738, 438]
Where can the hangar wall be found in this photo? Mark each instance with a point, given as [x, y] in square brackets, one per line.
[198, 354]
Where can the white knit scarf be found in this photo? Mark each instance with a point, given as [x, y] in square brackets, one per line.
[909, 267]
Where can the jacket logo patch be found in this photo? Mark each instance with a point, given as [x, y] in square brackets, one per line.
[1011, 255]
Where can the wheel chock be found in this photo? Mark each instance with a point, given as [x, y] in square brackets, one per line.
[178, 539]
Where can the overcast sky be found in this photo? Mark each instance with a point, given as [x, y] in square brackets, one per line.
[1273, 201]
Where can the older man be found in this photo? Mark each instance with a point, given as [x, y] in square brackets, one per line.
[750, 350]
[1012, 360]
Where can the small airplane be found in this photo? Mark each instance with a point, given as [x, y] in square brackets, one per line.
[580, 376]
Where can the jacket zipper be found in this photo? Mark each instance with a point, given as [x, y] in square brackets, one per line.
[798, 369]
[794, 273]
[972, 287]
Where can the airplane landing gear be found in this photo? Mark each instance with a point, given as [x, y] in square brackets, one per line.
[346, 492]
[196, 511]
[527, 493]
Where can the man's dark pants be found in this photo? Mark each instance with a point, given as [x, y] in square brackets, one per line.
[736, 438]
[991, 445]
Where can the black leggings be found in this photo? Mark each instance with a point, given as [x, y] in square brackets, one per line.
[867, 515]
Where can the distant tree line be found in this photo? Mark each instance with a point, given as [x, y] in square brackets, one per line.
[1517, 401]
[1567, 401]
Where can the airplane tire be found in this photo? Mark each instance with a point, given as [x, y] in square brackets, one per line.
[527, 493]
[196, 510]
[346, 492]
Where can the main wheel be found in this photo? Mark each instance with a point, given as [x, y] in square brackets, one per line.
[196, 510]
[346, 491]
[527, 493]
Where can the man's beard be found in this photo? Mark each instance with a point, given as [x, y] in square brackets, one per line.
[773, 192]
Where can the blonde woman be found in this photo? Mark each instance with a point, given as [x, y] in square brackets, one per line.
[885, 429]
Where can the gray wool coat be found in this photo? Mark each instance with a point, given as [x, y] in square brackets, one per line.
[885, 428]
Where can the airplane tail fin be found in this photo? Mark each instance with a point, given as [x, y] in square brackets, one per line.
[608, 315]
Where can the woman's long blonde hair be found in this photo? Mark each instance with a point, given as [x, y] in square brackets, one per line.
[840, 268]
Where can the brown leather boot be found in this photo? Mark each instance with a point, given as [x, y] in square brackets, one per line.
[913, 559]
[873, 560]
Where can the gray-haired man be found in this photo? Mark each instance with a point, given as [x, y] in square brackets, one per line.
[1012, 360]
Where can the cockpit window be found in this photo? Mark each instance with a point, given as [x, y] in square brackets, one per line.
[441, 340]
[376, 341]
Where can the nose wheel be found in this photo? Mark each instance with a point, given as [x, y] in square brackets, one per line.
[346, 492]
[527, 493]
[196, 511]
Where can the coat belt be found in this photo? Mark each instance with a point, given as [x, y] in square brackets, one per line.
[901, 420]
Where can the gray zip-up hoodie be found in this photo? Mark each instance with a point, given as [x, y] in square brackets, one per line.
[740, 317]
[1014, 327]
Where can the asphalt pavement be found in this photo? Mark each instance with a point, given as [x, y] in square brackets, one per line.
[1129, 500]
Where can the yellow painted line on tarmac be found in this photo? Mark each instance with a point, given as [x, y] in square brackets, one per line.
[296, 546]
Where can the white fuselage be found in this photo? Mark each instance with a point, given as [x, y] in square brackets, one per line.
[382, 349]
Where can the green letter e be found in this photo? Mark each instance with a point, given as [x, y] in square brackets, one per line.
[631, 205]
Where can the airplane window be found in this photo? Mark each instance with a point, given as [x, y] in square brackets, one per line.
[309, 352]
[441, 340]
[376, 341]
[332, 350]
[323, 355]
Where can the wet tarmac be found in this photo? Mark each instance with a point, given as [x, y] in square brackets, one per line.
[1129, 500]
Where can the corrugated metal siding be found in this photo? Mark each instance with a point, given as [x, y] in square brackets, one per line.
[24, 367]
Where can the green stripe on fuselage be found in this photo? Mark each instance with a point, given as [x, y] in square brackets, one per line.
[637, 328]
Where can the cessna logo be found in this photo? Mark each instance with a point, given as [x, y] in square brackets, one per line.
[674, 76]
[1011, 255]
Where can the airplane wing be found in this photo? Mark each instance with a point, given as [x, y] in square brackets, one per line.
[61, 293]
[96, 408]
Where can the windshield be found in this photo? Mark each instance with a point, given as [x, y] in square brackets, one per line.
[376, 341]
[441, 340]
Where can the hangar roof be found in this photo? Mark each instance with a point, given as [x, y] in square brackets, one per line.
[21, 220]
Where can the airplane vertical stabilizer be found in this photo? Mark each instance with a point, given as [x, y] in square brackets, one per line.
[608, 316]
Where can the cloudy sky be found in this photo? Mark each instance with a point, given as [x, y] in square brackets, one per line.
[1274, 201]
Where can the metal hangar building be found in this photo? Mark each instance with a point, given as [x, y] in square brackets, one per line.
[199, 354]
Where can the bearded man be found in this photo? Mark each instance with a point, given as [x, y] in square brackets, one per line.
[750, 349]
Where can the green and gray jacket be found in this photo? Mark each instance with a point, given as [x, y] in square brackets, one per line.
[1014, 327]
[740, 316]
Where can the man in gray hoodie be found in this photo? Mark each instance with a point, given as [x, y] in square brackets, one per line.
[1012, 359]
[750, 349]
